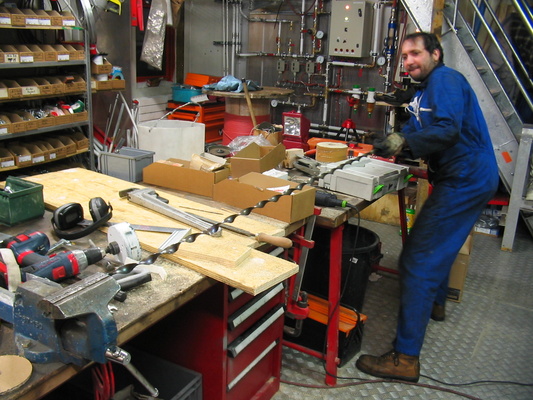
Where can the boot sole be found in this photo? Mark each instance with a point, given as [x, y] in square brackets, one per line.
[385, 376]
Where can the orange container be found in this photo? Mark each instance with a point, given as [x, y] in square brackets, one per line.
[200, 80]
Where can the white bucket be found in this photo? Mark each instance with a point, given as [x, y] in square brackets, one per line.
[172, 138]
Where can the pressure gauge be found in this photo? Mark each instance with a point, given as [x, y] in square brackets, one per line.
[319, 34]
[320, 59]
[274, 103]
[381, 60]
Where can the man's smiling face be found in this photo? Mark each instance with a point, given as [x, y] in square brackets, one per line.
[417, 61]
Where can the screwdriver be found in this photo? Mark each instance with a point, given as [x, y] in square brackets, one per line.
[325, 199]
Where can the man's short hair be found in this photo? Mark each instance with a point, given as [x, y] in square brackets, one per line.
[431, 42]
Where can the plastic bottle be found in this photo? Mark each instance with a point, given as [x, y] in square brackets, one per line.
[370, 101]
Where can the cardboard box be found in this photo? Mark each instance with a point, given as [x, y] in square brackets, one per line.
[174, 173]
[82, 142]
[14, 90]
[43, 17]
[458, 277]
[59, 148]
[17, 123]
[73, 53]
[69, 144]
[255, 158]
[118, 84]
[21, 154]
[105, 68]
[30, 122]
[68, 19]
[37, 52]
[5, 126]
[25, 54]
[55, 18]
[37, 154]
[250, 189]
[7, 159]
[80, 50]
[5, 16]
[459, 270]
[29, 87]
[4, 94]
[58, 87]
[101, 85]
[9, 54]
[17, 17]
[80, 116]
[30, 18]
[50, 54]
[62, 53]
[50, 153]
[44, 86]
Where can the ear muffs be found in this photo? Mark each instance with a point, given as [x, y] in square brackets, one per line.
[70, 216]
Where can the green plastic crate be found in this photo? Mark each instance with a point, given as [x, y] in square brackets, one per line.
[20, 200]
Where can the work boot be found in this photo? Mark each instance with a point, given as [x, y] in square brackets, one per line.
[438, 312]
[391, 365]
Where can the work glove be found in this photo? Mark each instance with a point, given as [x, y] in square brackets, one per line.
[390, 146]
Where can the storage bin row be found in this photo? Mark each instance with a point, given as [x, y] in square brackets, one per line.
[47, 148]
[36, 53]
[16, 17]
[25, 88]
[22, 121]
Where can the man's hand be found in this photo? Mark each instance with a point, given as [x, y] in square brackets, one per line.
[390, 146]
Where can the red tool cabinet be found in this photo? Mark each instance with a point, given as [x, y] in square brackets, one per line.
[211, 114]
[232, 338]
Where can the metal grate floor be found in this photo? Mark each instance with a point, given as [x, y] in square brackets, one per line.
[485, 337]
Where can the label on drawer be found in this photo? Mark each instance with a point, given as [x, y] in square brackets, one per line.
[32, 21]
[69, 22]
[45, 22]
[38, 159]
[30, 91]
[3, 131]
[4, 94]
[23, 159]
[11, 58]
[5, 20]
[53, 156]
[63, 57]
[26, 59]
[7, 164]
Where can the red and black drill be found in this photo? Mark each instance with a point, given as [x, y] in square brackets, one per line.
[30, 251]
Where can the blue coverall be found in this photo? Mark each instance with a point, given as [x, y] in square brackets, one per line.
[447, 129]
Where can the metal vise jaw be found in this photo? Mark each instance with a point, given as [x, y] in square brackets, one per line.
[69, 325]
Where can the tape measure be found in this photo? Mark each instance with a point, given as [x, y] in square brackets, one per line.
[126, 238]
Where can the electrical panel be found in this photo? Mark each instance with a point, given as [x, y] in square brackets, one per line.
[350, 28]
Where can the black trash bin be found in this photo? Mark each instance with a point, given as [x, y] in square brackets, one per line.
[358, 259]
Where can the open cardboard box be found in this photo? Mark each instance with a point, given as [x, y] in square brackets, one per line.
[255, 158]
[176, 174]
[250, 189]
[459, 270]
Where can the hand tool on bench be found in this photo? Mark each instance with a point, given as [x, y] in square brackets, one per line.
[150, 199]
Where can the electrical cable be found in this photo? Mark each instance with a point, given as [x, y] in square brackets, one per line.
[481, 382]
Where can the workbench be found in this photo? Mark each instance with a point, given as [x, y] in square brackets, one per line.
[160, 300]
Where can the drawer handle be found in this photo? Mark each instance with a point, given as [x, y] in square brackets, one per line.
[249, 309]
[251, 334]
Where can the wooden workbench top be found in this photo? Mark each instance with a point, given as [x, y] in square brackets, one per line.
[268, 92]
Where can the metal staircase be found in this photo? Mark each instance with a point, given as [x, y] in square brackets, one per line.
[461, 41]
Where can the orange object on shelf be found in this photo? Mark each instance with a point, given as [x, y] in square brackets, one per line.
[353, 149]
[200, 80]
[211, 114]
[318, 311]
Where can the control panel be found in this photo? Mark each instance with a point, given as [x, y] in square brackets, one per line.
[351, 28]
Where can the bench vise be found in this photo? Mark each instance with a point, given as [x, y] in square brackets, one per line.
[56, 324]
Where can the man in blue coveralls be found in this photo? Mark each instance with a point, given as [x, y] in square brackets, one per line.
[447, 129]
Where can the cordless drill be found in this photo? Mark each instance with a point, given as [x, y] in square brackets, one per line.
[30, 252]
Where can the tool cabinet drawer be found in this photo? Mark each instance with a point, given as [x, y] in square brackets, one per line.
[251, 311]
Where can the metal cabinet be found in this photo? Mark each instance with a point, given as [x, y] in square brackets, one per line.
[232, 338]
